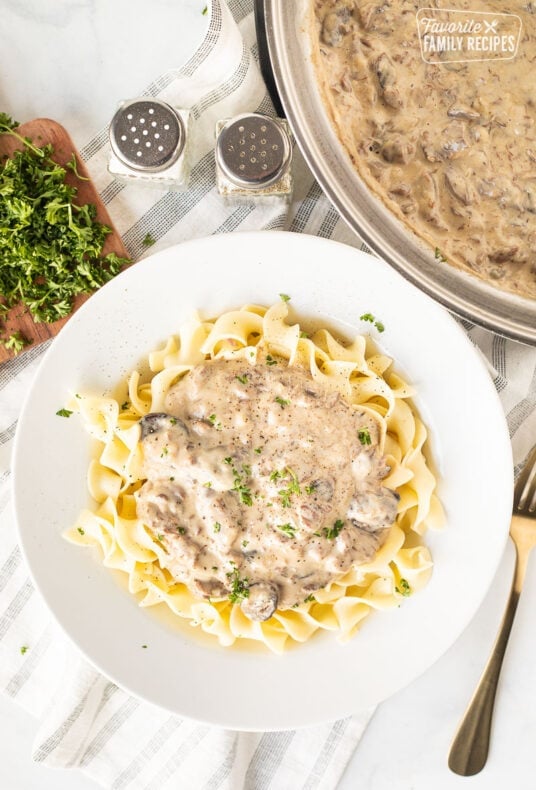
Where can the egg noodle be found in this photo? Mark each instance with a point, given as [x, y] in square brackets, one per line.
[362, 376]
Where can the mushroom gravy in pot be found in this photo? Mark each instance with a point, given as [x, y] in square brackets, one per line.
[449, 147]
[262, 485]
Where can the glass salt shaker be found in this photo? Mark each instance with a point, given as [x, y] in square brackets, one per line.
[149, 142]
[253, 159]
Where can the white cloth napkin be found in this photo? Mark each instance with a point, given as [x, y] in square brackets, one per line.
[87, 722]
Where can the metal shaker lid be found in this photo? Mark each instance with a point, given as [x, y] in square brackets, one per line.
[253, 150]
[147, 134]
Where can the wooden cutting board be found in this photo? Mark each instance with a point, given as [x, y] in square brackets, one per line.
[43, 131]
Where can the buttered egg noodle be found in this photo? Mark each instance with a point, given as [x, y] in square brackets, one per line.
[262, 483]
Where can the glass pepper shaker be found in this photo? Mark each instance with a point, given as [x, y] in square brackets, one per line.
[149, 142]
[253, 159]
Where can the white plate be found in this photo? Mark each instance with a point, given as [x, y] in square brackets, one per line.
[320, 680]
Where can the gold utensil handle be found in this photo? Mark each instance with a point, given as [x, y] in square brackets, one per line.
[469, 750]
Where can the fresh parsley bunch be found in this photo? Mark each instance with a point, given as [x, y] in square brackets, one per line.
[50, 248]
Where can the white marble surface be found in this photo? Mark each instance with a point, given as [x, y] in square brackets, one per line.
[73, 60]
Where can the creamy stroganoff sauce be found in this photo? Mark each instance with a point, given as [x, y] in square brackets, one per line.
[262, 485]
[449, 147]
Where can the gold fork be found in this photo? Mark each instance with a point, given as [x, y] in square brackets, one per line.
[469, 750]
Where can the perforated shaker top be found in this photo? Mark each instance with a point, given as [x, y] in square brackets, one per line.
[253, 150]
[147, 134]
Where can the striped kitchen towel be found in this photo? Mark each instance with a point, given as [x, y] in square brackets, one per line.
[87, 722]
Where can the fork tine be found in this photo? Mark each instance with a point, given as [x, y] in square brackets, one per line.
[525, 489]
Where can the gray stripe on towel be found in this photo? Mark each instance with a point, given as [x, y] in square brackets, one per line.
[523, 409]
[53, 741]
[153, 746]
[16, 606]
[332, 741]
[124, 712]
[8, 433]
[11, 368]
[308, 205]
[224, 769]
[266, 759]
[176, 760]
[9, 567]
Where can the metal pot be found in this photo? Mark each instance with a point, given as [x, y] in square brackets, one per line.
[464, 294]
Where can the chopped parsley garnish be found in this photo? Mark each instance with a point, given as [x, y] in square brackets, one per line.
[16, 342]
[404, 588]
[372, 320]
[50, 247]
[270, 360]
[81, 531]
[213, 420]
[288, 529]
[73, 165]
[282, 402]
[332, 532]
[181, 530]
[164, 451]
[239, 480]
[310, 598]
[258, 450]
[439, 256]
[284, 297]
[144, 646]
[364, 436]
[173, 420]
[204, 12]
[24, 649]
[310, 488]
[63, 413]
[125, 405]
[292, 488]
[242, 379]
[148, 240]
[245, 543]
[217, 526]
[239, 587]
[303, 334]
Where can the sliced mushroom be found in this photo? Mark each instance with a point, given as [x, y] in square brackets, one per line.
[504, 254]
[426, 188]
[335, 24]
[398, 149]
[261, 602]
[367, 12]
[454, 139]
[386, 74]
[371, 511]
[462, 111]
[159, 421]
[317, 503]
[209, 588]
[323, 489]
[460, 187]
